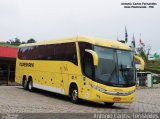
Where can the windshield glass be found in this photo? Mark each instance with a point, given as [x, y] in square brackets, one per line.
[126, 70]
[115, 67]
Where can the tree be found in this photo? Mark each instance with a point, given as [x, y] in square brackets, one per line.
[142, 52]
[7, 42]
[143, 55]
[31, 41]
[23, 42]
[17, 41]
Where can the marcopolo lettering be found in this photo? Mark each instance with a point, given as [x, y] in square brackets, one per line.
[26, 64]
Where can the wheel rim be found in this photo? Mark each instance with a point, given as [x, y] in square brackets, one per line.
[75, 95]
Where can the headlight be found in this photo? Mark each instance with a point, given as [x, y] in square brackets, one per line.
[111, 92]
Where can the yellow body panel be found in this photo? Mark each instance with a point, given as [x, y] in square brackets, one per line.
[58, 75]
[96, 41]
[102, 97]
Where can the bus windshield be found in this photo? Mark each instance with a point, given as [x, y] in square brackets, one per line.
[115, 67]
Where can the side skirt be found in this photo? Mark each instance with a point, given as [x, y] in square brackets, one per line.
[49, 88]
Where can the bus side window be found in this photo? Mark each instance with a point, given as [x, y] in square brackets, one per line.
[50, 51]
[20, 53]
[71, 53]
[59, 51]
[23, 53]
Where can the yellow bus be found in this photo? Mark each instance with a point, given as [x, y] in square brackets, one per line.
[94, 69]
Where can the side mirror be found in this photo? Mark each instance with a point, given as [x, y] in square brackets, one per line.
[140, 61]
[94, 55]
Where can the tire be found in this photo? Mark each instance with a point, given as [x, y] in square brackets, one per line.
[25, 84]
[30, 85]
[74, 94]
[23, 81]
[108, 104]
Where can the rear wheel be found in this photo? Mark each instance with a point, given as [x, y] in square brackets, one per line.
[74, 94]
[108, 104]
[25, 84]
[30, 85]
[23, 81]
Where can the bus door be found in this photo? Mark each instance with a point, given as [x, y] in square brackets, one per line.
[64, 79]
[87, 68]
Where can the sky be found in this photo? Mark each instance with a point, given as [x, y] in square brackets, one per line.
[49, 19]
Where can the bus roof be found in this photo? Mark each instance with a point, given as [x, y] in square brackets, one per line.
[96, 41]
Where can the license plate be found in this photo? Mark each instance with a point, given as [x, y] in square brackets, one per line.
[116, 99]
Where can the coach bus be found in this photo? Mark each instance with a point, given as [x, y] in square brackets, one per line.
[93, 69]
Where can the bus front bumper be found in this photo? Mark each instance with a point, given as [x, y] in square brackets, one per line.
[114, 97]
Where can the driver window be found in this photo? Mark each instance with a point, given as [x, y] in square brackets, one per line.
[88, 65]
[86, 59]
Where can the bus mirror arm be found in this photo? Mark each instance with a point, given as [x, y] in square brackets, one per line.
[94, 55]
[142, 63]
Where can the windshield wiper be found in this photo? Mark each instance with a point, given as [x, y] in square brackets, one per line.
[110, 77]
[123, 69]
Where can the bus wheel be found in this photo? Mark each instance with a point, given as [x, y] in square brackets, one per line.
[23, 81]
[25, 85]
[30, 85]
[74, 94]
[108, 104]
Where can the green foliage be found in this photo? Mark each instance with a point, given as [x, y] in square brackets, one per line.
[153, 66]
[31, 41]
[7, 44]
[16, 42]
[144, 56]
[142, 53]
[156, 56]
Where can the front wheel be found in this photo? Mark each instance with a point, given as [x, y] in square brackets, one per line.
[74, 94]
[108, 104]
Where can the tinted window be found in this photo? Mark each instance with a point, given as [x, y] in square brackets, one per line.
[42, 52]
[23, 52]
[35, 52]
[70, 53]
[60, 51]
[49, 51]
[65, 51]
